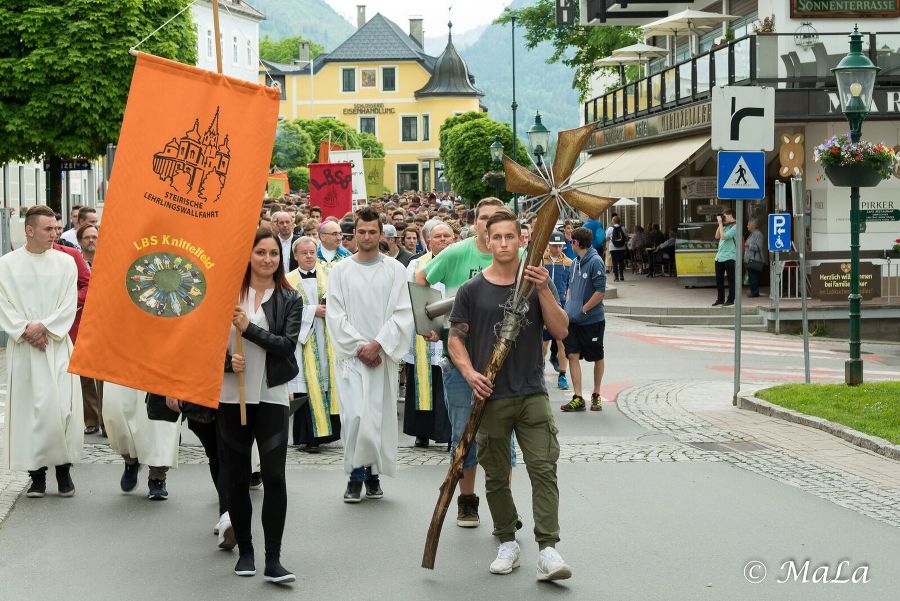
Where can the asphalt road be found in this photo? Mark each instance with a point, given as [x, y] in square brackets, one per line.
[630, 529]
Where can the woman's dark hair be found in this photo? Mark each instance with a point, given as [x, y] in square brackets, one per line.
[280, 281]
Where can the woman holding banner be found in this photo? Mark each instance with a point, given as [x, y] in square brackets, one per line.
[268, 318]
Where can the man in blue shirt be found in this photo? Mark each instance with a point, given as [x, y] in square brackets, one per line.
[587, 319]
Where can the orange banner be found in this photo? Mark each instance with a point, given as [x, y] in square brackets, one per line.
[325, 147]
[184, 198]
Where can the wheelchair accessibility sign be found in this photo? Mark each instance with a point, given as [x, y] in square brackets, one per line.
[779, 232]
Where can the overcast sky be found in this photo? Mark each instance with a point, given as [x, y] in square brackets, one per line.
[466, 14]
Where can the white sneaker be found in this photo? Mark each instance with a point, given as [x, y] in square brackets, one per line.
[507, 558]
[225, 532]
[550, 566]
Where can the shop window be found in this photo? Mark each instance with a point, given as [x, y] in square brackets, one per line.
[407, 177]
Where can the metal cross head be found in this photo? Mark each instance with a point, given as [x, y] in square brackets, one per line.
[554, 182]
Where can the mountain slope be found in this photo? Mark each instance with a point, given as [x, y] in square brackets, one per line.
[486, 50]
[311, 19]
[539, 86]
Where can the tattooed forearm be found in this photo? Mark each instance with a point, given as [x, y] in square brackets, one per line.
[459, 330]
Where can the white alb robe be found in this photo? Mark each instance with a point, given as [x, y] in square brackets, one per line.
[368, 302]
[132, 433]
[44, 414]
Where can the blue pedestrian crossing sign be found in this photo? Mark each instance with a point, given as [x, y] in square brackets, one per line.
[779, 232]
[742, 175]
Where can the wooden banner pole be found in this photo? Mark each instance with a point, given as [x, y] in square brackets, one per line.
[216, 32]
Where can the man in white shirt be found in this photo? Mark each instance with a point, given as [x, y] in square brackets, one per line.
[86, 216]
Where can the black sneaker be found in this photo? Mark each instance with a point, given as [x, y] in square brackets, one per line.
[246, 564]
[422, 442]
[158, 490]
[64, 480]
[310, 448]
[354, 489]
[373, 488]
[729, 304]
[718, 303]
[38, 483]
[255, 481]
[130, 476]
[275, 572]
[467, 511]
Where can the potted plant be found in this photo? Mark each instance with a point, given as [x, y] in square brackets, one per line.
[767, 25]
[860, 164]
[897, 245]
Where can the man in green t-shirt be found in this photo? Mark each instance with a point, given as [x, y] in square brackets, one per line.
[454, 267]
[725, 257]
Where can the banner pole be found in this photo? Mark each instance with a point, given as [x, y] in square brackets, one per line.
[216, 30]
[238, 341]
[242, 393]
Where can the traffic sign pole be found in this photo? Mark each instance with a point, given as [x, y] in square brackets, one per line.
[738, 296]
[800, 211]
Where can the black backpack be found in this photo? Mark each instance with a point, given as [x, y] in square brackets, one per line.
[619, 237]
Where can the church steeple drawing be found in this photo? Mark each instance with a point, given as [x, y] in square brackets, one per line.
[196, 162]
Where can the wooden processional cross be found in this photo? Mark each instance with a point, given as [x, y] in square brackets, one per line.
[549, 191]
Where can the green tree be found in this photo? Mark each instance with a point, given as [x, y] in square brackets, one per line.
[577, 47]
[293, 146]
[371, 147]
[341, 133]
[455, 120]
[467, 155]
[298, 178]
[66, 72]
[286, 50]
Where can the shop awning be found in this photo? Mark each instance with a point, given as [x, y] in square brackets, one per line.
[638, 171]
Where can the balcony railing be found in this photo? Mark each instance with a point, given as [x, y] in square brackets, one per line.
[757, 59]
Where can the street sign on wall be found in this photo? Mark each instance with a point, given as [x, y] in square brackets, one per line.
[779, 232]
[741, 175]
[743, 118]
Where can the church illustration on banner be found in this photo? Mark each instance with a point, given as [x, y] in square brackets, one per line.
[195, 163]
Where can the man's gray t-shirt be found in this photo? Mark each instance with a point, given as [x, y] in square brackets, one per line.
[478, 305]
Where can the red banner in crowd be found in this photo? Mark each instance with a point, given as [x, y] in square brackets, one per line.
[183, 203]
[331, 188]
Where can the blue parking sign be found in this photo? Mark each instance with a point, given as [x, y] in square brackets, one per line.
[741, 175]
[779, 232]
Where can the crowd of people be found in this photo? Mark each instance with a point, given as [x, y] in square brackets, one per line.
[323, 335]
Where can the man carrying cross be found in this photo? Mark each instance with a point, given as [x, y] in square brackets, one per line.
[517, 400]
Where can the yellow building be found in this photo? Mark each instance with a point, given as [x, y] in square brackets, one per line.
[381, 81]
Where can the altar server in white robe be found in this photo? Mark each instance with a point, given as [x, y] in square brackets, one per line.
[370, 321]
[44, 415]
[138, 439]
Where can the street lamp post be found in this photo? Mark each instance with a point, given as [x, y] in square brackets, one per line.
[514, 106]
[538, 139]
[496, 158]
[855, 76]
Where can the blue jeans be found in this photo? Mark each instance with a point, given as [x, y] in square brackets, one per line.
[458, 395]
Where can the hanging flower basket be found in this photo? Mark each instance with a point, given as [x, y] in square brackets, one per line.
[493, 178]
[861, 164]
[897, 245]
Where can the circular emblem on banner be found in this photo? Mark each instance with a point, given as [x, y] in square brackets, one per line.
[165, 284]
